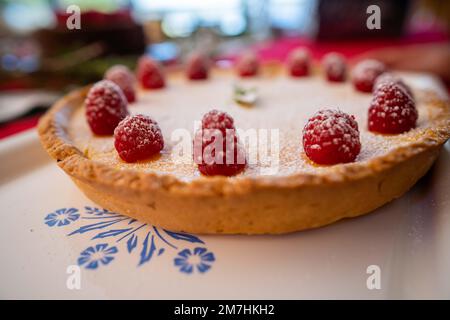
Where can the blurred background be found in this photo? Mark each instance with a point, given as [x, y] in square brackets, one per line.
[41, 59]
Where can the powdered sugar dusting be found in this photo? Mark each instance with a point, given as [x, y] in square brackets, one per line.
[284, 103]
[389, 78]
[216, 119]
[138, 137]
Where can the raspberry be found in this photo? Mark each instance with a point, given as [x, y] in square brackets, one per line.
[392, 110]
[149, 74]
[197, 67]
[123, 77]
[137, 138]
[335, 67]
[216, 119]
[248, 65]
[365, 73]
[106, 106]
[390, 78]
[225, 169]
[331, 137]
[298, 62]
[218, 125]
[231, 152]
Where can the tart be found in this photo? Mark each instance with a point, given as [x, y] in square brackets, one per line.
[298, 195]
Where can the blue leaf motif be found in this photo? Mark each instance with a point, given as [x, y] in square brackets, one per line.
[132, 232]
[162, 238]
[132, 243]
[183, 236]
[147, 251]
[98, 225]
[110, 233]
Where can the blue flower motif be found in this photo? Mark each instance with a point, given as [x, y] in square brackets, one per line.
[62, 217]
[145, 241]
[200, 258]
[92, 256]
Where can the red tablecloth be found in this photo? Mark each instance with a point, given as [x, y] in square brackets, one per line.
[17, 126]
[278, 50]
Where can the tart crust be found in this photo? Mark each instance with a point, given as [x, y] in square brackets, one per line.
[247, 205]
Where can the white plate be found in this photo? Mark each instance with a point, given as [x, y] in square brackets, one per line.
[17, 103]
[408, 239]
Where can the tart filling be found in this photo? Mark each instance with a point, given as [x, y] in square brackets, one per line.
[282, 109]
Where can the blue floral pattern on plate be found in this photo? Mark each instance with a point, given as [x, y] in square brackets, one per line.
[143, 240]
[93, 256]
[62, 217]
[199, 259]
